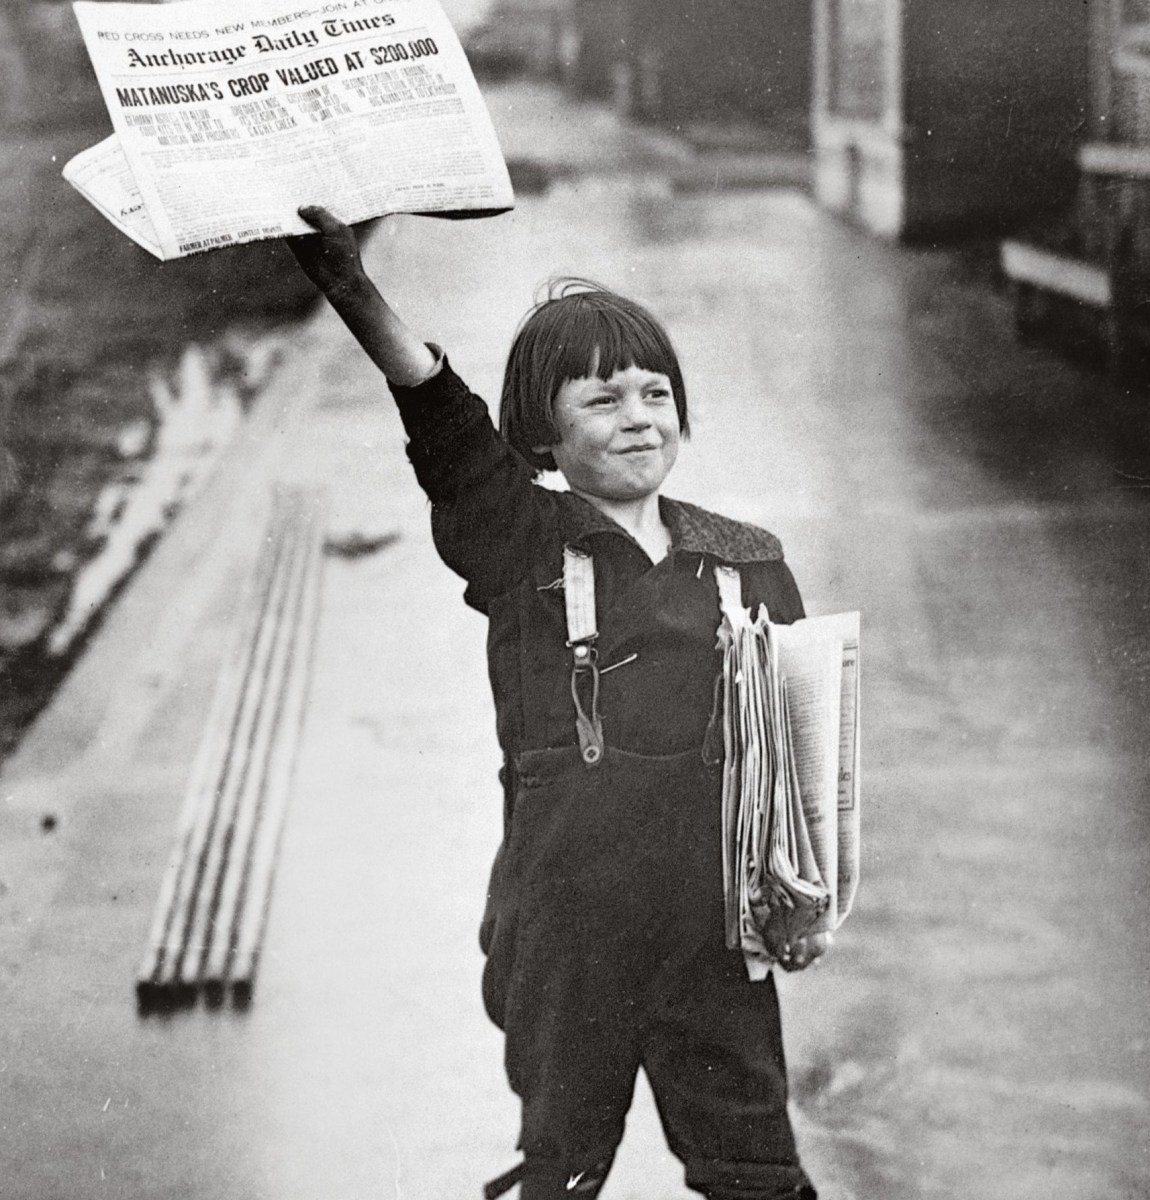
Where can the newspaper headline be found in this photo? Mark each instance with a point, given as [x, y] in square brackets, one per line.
[227, 119]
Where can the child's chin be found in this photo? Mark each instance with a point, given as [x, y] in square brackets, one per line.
[639, 487]
[623, 487]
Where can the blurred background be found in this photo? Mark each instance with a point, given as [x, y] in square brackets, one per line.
[903, 247]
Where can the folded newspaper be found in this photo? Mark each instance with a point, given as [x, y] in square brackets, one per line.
[791, 775]
[228, 116]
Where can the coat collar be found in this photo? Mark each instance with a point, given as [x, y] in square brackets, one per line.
[693, 530]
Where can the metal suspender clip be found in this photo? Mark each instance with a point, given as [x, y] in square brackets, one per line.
[589, 729]
[582, 632]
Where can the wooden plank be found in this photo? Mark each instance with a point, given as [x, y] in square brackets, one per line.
[182, 970]
[1114, 158]
[266, 735]
[180, 882]
[238, 773]
[1054, 272]
[252, 922]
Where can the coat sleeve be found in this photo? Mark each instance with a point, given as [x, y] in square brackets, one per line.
[771, 583]
[489, 519]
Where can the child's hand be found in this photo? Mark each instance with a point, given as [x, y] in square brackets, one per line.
[799, 954]
[330, 256]
[330, 259]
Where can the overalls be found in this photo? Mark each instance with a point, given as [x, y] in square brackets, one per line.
[606, 952]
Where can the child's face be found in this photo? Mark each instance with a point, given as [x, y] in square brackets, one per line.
[618, 437]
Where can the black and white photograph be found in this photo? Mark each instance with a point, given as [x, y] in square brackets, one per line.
[575, 599]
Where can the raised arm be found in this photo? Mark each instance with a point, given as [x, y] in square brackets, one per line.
[330, 259]
[488, 518]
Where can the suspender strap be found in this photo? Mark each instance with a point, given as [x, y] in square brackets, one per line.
[730, 586]
[582, 631]
[579, 594]
[731, 595]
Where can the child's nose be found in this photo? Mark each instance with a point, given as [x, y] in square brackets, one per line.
[635, 414]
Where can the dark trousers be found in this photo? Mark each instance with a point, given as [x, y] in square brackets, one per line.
[607, 954]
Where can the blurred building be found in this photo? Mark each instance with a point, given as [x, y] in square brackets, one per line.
[675, 61]
[520, 36]
[689, 60]
[1084, 272]
[45, 76]
[939, 115]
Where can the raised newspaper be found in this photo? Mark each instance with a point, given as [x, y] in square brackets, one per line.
[229, 116]
[791, 775]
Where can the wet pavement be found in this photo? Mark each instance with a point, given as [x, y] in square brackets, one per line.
[980, 1028]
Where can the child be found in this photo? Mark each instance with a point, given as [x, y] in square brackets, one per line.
[604, 929]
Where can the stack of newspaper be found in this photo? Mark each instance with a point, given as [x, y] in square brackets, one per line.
[229, 116]
[791, 776]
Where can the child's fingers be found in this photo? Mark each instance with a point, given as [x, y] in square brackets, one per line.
[818, 944]
[321, 220]
[329, 256]
[799, 954]
[792, 959]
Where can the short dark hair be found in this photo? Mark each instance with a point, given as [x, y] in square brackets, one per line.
[578, 329]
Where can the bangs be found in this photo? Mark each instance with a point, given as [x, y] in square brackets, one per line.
[580, 330]
[588, 338]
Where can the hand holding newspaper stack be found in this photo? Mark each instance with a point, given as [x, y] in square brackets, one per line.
[229, 116]
[791, 776]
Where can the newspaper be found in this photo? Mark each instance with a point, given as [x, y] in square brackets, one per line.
[791, 776]
[817, 659]
[228, 117]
